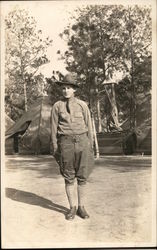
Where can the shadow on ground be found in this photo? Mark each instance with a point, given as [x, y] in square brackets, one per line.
[47, 168]
[33, 199]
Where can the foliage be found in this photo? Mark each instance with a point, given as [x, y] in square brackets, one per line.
[53, 90]
[25, 53]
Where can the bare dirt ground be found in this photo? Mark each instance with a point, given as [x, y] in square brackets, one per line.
[118, 201]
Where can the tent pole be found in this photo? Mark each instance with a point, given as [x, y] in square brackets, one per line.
[95, 139]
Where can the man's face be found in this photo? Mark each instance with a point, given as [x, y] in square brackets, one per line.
[68, 91]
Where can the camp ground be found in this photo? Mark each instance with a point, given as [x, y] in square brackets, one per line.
[34, 192]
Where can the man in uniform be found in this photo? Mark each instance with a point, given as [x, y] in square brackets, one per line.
[72, 140]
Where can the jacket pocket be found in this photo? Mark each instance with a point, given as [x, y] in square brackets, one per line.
[63, 115]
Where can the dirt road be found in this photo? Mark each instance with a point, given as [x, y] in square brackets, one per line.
[118, 201]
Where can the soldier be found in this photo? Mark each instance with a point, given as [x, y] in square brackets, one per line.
[72, 141]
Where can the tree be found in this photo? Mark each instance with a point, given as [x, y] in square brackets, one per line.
[102, 41]
[52, 88]
[135, 31]
[25, 53]
[94, 50]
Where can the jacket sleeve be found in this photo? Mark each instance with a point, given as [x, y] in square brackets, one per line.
[54, 125]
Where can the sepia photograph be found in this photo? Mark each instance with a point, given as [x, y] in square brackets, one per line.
[78, 124]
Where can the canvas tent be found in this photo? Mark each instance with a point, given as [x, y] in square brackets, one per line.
[145, 146]
[143, 123]
[31, 133]
[9, 142]
[8, 122]
[129, 141]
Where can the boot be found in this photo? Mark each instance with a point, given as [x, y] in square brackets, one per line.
[71, 214]
[82, 212]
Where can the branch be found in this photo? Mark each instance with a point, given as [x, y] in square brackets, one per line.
[33, 59]
[35, 71]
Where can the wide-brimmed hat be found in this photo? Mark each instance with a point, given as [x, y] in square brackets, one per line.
[68, 79]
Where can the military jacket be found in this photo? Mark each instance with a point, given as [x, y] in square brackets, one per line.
[75, 122]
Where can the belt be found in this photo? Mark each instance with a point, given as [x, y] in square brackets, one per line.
[73, 138]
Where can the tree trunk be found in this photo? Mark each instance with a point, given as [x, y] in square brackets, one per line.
[114, 107]
[25, 97]
[133, 97]
[133, 100]
[112, 99]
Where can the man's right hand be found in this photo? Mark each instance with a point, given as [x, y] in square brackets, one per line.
[53, 149]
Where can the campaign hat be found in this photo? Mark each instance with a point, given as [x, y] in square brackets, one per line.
[68, 79]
